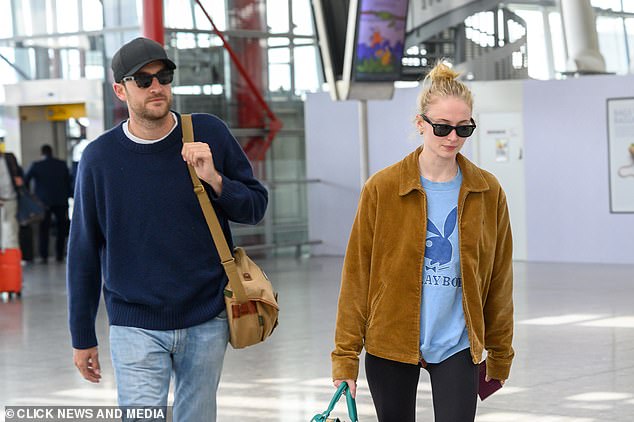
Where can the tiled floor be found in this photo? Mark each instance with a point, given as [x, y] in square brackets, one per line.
[574, 342]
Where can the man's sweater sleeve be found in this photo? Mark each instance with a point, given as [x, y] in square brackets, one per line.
[84, 270]
[243, 198]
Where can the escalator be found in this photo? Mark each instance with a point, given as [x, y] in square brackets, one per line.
[482, 38]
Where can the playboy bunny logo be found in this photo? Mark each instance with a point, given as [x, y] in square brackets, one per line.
[438, 248]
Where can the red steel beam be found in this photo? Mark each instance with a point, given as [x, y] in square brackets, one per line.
[153, 27]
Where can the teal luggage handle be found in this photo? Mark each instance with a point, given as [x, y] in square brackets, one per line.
[352, 406]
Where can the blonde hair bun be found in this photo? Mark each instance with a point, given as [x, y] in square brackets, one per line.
[442, 72]
[442, 82]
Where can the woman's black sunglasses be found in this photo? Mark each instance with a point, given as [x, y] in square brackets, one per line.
[463, 131]
[144, 80]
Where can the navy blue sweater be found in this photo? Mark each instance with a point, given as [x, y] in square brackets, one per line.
[137, 225]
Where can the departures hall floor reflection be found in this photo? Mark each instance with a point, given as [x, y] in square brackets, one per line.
[574, 343]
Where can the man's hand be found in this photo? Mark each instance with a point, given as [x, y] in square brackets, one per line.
[18, 181]
[87, 361]
[198, 155]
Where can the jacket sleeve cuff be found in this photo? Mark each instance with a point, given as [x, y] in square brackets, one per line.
[497, 369]
[345, 368]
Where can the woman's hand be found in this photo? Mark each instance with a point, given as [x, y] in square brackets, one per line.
[352, 385]
[488, 378]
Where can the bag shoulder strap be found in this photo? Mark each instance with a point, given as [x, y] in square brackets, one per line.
[226, 258]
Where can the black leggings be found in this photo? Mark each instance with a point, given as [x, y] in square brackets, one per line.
[393, 385]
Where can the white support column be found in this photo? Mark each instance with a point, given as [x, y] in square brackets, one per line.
[364, 154]
[548, 40]
[581, 37]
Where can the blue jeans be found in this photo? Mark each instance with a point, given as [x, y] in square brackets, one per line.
[144, 361]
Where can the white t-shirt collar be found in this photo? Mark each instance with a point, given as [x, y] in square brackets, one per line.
[138, 140]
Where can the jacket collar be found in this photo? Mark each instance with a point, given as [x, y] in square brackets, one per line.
[409, 179]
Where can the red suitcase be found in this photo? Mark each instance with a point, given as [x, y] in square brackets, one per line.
[11, 271]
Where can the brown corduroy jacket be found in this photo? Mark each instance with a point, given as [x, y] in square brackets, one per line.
[381, 287]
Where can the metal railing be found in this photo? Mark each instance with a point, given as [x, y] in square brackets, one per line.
[275, 234]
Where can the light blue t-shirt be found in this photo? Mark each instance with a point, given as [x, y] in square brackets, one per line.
[443, 331]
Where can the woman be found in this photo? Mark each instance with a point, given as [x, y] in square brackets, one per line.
[427, 278]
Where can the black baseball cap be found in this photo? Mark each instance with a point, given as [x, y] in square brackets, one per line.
[136, 54]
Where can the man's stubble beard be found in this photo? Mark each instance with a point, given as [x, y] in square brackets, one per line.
[152, 115]
[142, 113]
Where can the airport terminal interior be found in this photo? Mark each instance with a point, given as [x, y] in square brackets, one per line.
[553, 82]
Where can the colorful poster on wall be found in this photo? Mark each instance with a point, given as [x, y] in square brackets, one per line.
[380, 39]
[621, 154]
[502, 150]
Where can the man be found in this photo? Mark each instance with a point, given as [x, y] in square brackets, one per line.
[10, 180]
[138, 224]
[52, 187]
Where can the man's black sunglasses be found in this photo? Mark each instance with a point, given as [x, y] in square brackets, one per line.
[144, 80]
[440, 129]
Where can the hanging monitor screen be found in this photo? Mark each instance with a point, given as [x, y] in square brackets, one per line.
[331, 20]
[380, 38]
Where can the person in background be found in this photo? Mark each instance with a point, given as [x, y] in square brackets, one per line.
[76, 151]
[10, 180]
[52, 187]
[427, 278]
[138, 225]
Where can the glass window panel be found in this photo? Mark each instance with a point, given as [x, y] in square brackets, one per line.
[62, 56]
[6, 23]
[536, 44]
[488, 22]
[278, 42]
[204, 40]
[95, 72]
[185, 40]
[178, 14]
[609, 4]
[94, 65]
[28, 65]
[8, 73]
[216, 9]
[612, 44]
[280, 55]
[302, 17]
[277, 16]
[517, 31]
[74, 64]
[279, 77]
[49, 13]
[23, 17]
[306, 78]
[500, 19]
[629, 28]
[559, 45]
[92, 15]
[139, 12]
[41, 20]
[67, 16]
[305, 41]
